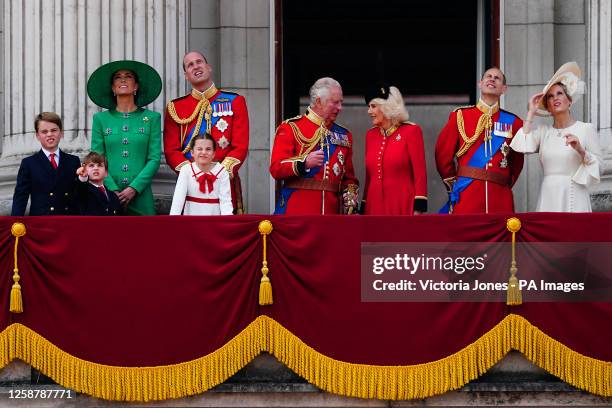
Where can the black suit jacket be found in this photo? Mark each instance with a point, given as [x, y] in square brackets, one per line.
[51, 190]
[92, 201]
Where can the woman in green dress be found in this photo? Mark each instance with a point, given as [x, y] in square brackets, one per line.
[127, 134]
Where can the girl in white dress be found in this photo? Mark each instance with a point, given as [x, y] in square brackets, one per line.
[203, 186]
[569, 149]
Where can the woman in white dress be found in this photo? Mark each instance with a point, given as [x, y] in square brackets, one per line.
[203, 186]
[569, 149]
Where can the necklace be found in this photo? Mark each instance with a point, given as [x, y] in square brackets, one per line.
[569, 124]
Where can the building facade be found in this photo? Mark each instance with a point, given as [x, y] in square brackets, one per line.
[46, 66]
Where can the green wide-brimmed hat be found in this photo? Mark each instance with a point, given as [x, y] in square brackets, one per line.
[99, 83]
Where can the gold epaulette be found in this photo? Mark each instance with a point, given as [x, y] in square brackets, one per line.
[293, 119]
[464, 107]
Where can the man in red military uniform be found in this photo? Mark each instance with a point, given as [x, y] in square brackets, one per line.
[473, 154]
[207, 109]
[313, 158]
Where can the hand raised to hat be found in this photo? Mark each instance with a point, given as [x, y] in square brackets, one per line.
[534, 102]
[314, 159]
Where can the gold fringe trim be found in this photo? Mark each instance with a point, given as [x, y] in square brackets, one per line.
[348, 379]
[132, 383]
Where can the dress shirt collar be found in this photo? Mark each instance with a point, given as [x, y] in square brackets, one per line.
[48, 153]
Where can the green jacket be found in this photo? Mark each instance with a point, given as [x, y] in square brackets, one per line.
[132, 144]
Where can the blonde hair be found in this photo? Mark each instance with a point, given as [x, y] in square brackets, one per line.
[393, 107]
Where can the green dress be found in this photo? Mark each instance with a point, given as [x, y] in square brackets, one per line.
[132, 144]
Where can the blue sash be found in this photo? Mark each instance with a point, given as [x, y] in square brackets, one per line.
[285, 193]
[479, 159]
[222, 103]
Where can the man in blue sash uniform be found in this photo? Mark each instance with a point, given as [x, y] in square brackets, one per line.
[312, 157]
[207, 109]
[473, 154]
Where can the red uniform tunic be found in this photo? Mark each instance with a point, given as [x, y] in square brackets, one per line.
[319, 190]
[454, 144]
[396, 173]
[227, 116]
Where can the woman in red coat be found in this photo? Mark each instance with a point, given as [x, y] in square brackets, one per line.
[396, 174]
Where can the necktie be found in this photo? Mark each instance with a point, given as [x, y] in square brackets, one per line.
[103, 190]
[52, 159]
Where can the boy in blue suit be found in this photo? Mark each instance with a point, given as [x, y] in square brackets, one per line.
[92, 197]
[49, 176]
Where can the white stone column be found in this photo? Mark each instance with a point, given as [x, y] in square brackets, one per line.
[599, 102]
[50, 49]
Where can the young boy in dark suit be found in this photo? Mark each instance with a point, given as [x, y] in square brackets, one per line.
[47, 177]
[92, 197]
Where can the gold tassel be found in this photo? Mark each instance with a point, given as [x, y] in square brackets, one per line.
[16, 303]
[514, 297]
[265, 286]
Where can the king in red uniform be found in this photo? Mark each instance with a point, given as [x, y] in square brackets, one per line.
[473, 154]
[313, 158]
[206, 109]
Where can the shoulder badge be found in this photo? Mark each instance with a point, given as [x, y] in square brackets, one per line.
[182, 97]
[293, 119]
[464, 107]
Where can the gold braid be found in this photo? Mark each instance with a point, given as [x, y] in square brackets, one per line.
[304, 141]
[484, 122]
[203, 110]
[175, 117]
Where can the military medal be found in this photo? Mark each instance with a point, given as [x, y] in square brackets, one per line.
[341, 157]
[503, 129]
[505, 149]
[221, 125]
[336, 169]
[215, 113]
[223, 142]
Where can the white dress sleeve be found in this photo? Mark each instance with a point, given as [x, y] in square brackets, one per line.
[589, 171]
[528, 142]
[225, 193]
[180, 191]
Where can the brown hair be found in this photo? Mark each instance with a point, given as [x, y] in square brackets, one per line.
[48, 117]
[497, 68]
[202, 136]
[197, 52]
[97, 158]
